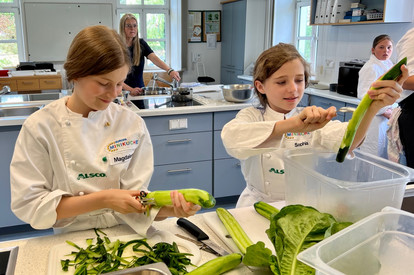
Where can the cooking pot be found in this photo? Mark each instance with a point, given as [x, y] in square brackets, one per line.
[181, 94]
[237, 92]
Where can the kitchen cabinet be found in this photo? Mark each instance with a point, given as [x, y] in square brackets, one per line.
[194, 157]
[327, 102]
[228, 178]
[397, 11]
[8, 137]
[183, 154]
[23, 84]
[242, 37]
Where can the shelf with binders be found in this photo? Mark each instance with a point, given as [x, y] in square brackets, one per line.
[332, 12]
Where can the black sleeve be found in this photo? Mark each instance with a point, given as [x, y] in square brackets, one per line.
[145, 48]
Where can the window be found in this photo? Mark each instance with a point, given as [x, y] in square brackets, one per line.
[153, 25]
[306, 35]
[10, 34]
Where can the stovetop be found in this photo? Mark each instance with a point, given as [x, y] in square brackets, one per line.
[162, 102]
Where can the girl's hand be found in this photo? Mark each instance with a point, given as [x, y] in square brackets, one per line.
[312, 118]
[123, 201]
[388, 90]
[175, 75]
[179, 208]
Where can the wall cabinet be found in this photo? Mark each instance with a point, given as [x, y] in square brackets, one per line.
[243, 37]
[397, 11]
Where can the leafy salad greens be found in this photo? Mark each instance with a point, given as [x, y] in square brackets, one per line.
[292, 230]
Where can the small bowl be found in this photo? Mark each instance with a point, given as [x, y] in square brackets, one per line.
[4, 72]
[237, 92]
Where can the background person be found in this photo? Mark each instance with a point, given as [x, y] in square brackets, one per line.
[138, 49]
[258, 136]
[81, 161]
[379, 63]
[401, 134]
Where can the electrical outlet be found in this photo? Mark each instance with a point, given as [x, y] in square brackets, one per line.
[196, 57]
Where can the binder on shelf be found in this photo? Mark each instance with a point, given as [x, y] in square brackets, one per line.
[318, 12]
[339, 10]
[328, 15]
[323, 11]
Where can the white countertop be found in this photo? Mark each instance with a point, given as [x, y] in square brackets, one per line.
[33, 254]
[212, 101]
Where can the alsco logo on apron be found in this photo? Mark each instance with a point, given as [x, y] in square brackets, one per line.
[277, 171]
[120, 144]
[91, 175]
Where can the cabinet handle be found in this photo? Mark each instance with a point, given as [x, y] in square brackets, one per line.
[27, 82]
[179, 140]
[49, 81]
[179, 170]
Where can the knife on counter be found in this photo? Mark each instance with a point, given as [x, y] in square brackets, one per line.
[201, 236]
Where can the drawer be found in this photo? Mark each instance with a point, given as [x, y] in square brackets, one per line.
[228, 178]
[187, 147]
[161, 125]
[8, 82]
[219, 150]
[28, 84]
[221, 118]
[183, 175]
[50, 83]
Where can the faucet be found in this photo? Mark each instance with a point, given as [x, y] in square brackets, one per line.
[173, 84]
[6, 90]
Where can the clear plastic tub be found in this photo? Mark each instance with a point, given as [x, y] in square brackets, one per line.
[350, 190]
[381, 244]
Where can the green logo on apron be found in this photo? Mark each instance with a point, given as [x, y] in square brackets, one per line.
[277, 171]
[91, 175]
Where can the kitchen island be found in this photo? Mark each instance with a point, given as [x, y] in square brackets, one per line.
[34, 253]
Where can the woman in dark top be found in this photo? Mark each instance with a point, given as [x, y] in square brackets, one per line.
[138, 49]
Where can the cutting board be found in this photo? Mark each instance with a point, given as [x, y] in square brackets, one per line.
[60, 251]
[254, 224]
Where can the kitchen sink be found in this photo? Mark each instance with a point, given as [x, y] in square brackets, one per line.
[18, 110]
[13, 98]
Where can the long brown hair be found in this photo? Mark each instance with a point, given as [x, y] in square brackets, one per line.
[271, 60]
[135, 41]
[95, 50]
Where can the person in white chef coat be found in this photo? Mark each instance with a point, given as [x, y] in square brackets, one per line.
[401, 132]
[81, 161]
[379, 63]
[258, 136]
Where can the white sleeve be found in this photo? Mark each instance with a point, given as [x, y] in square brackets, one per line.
[243, 135]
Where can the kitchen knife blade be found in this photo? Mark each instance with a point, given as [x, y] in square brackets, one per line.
[201, 236]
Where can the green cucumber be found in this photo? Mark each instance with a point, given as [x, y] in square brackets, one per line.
[265, 209]
[196, 196]
[218, 265]
[234, 229]
[360, 111]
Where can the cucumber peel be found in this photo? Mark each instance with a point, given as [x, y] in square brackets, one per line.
[196, 196]
[218, 265]
[360, 111]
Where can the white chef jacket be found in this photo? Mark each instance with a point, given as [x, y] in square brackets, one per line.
[405, 49]
[376, 139]
[261, 162]
[60, 153]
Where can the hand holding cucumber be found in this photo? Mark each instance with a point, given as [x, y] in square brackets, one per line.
[383, 92]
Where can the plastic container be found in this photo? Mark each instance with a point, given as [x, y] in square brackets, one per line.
[381, 244]
[350, 190]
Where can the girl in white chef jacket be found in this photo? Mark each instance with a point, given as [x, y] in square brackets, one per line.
[81, 161]
[259, 135]
[376, 139]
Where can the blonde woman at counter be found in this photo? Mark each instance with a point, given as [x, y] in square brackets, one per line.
[376, 140]
[81, 161]
[258, 136]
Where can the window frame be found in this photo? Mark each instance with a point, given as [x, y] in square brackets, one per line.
[143, 10]
[313, 38]
[13, 8]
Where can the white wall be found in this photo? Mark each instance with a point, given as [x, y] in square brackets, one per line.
[210, 57]
[344, 43]
[284, 21]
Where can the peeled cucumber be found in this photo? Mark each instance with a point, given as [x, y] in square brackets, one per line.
[360, 111]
